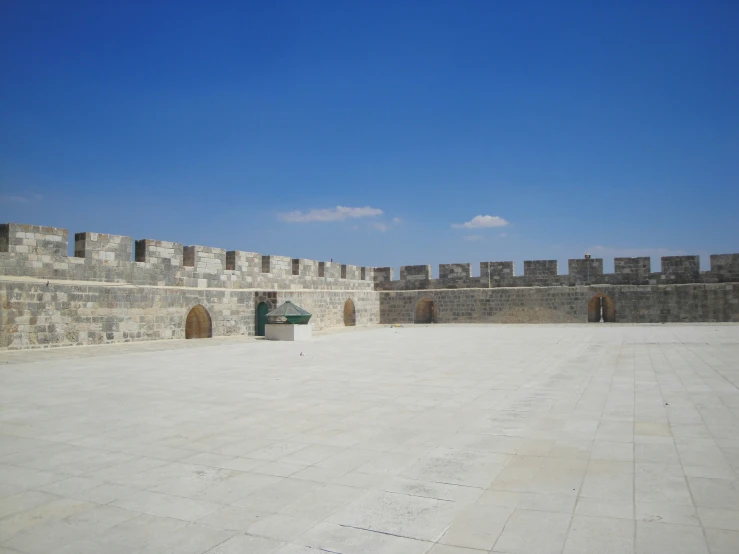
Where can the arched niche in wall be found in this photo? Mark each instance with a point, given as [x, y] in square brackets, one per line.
[198, 324]
[350, 313]
[601, 307]
[264, 302]
[426, 311]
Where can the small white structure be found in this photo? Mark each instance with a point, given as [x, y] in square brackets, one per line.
[287, 331]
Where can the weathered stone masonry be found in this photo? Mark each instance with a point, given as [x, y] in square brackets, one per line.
[115, 289]
[118, 290]
[634, 304]
[681, 292]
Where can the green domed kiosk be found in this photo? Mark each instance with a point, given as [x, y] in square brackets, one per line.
[288, 322]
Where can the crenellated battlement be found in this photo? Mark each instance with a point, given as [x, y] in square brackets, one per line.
[42, 252]
[36, 251]
[545, 273]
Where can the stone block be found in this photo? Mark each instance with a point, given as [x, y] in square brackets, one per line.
[585, 270]
[246, 262]
[331, 270]
[305, 269]
[415, 272]
[455, 271]
[351, 272]
[159, 252]
[632, 270]
[33, 239]
[540, 268]
[204, 259]
[383, 274]
[725, 267]
[101, 247]
[278, 266]
[496, 272]
[680, 269]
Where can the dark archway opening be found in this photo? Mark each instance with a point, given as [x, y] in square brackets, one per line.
[601, 308]
[350, 313]
[198, 324]
[426, 311]
[262, 311]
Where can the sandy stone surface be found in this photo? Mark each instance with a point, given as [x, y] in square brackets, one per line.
[418, 439]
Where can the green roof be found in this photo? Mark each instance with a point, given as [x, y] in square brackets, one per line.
[289, 313]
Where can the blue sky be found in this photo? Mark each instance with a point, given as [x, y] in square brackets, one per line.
[371, 132]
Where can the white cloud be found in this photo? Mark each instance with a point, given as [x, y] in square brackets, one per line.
[339, 213]
[381, 226]
[504, 235]
[482, 221]
[397, 220]
[609, 252]
[473, 238]
[16, 199]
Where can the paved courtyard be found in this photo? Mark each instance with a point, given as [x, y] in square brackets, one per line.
[430, 439]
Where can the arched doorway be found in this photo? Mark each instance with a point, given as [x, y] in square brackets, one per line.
[262, 310]
[426, 311]
[350, 313]
[198, 324]
[601, 308]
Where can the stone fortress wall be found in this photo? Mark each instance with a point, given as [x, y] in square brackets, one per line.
[115, 289]
[680, 292]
